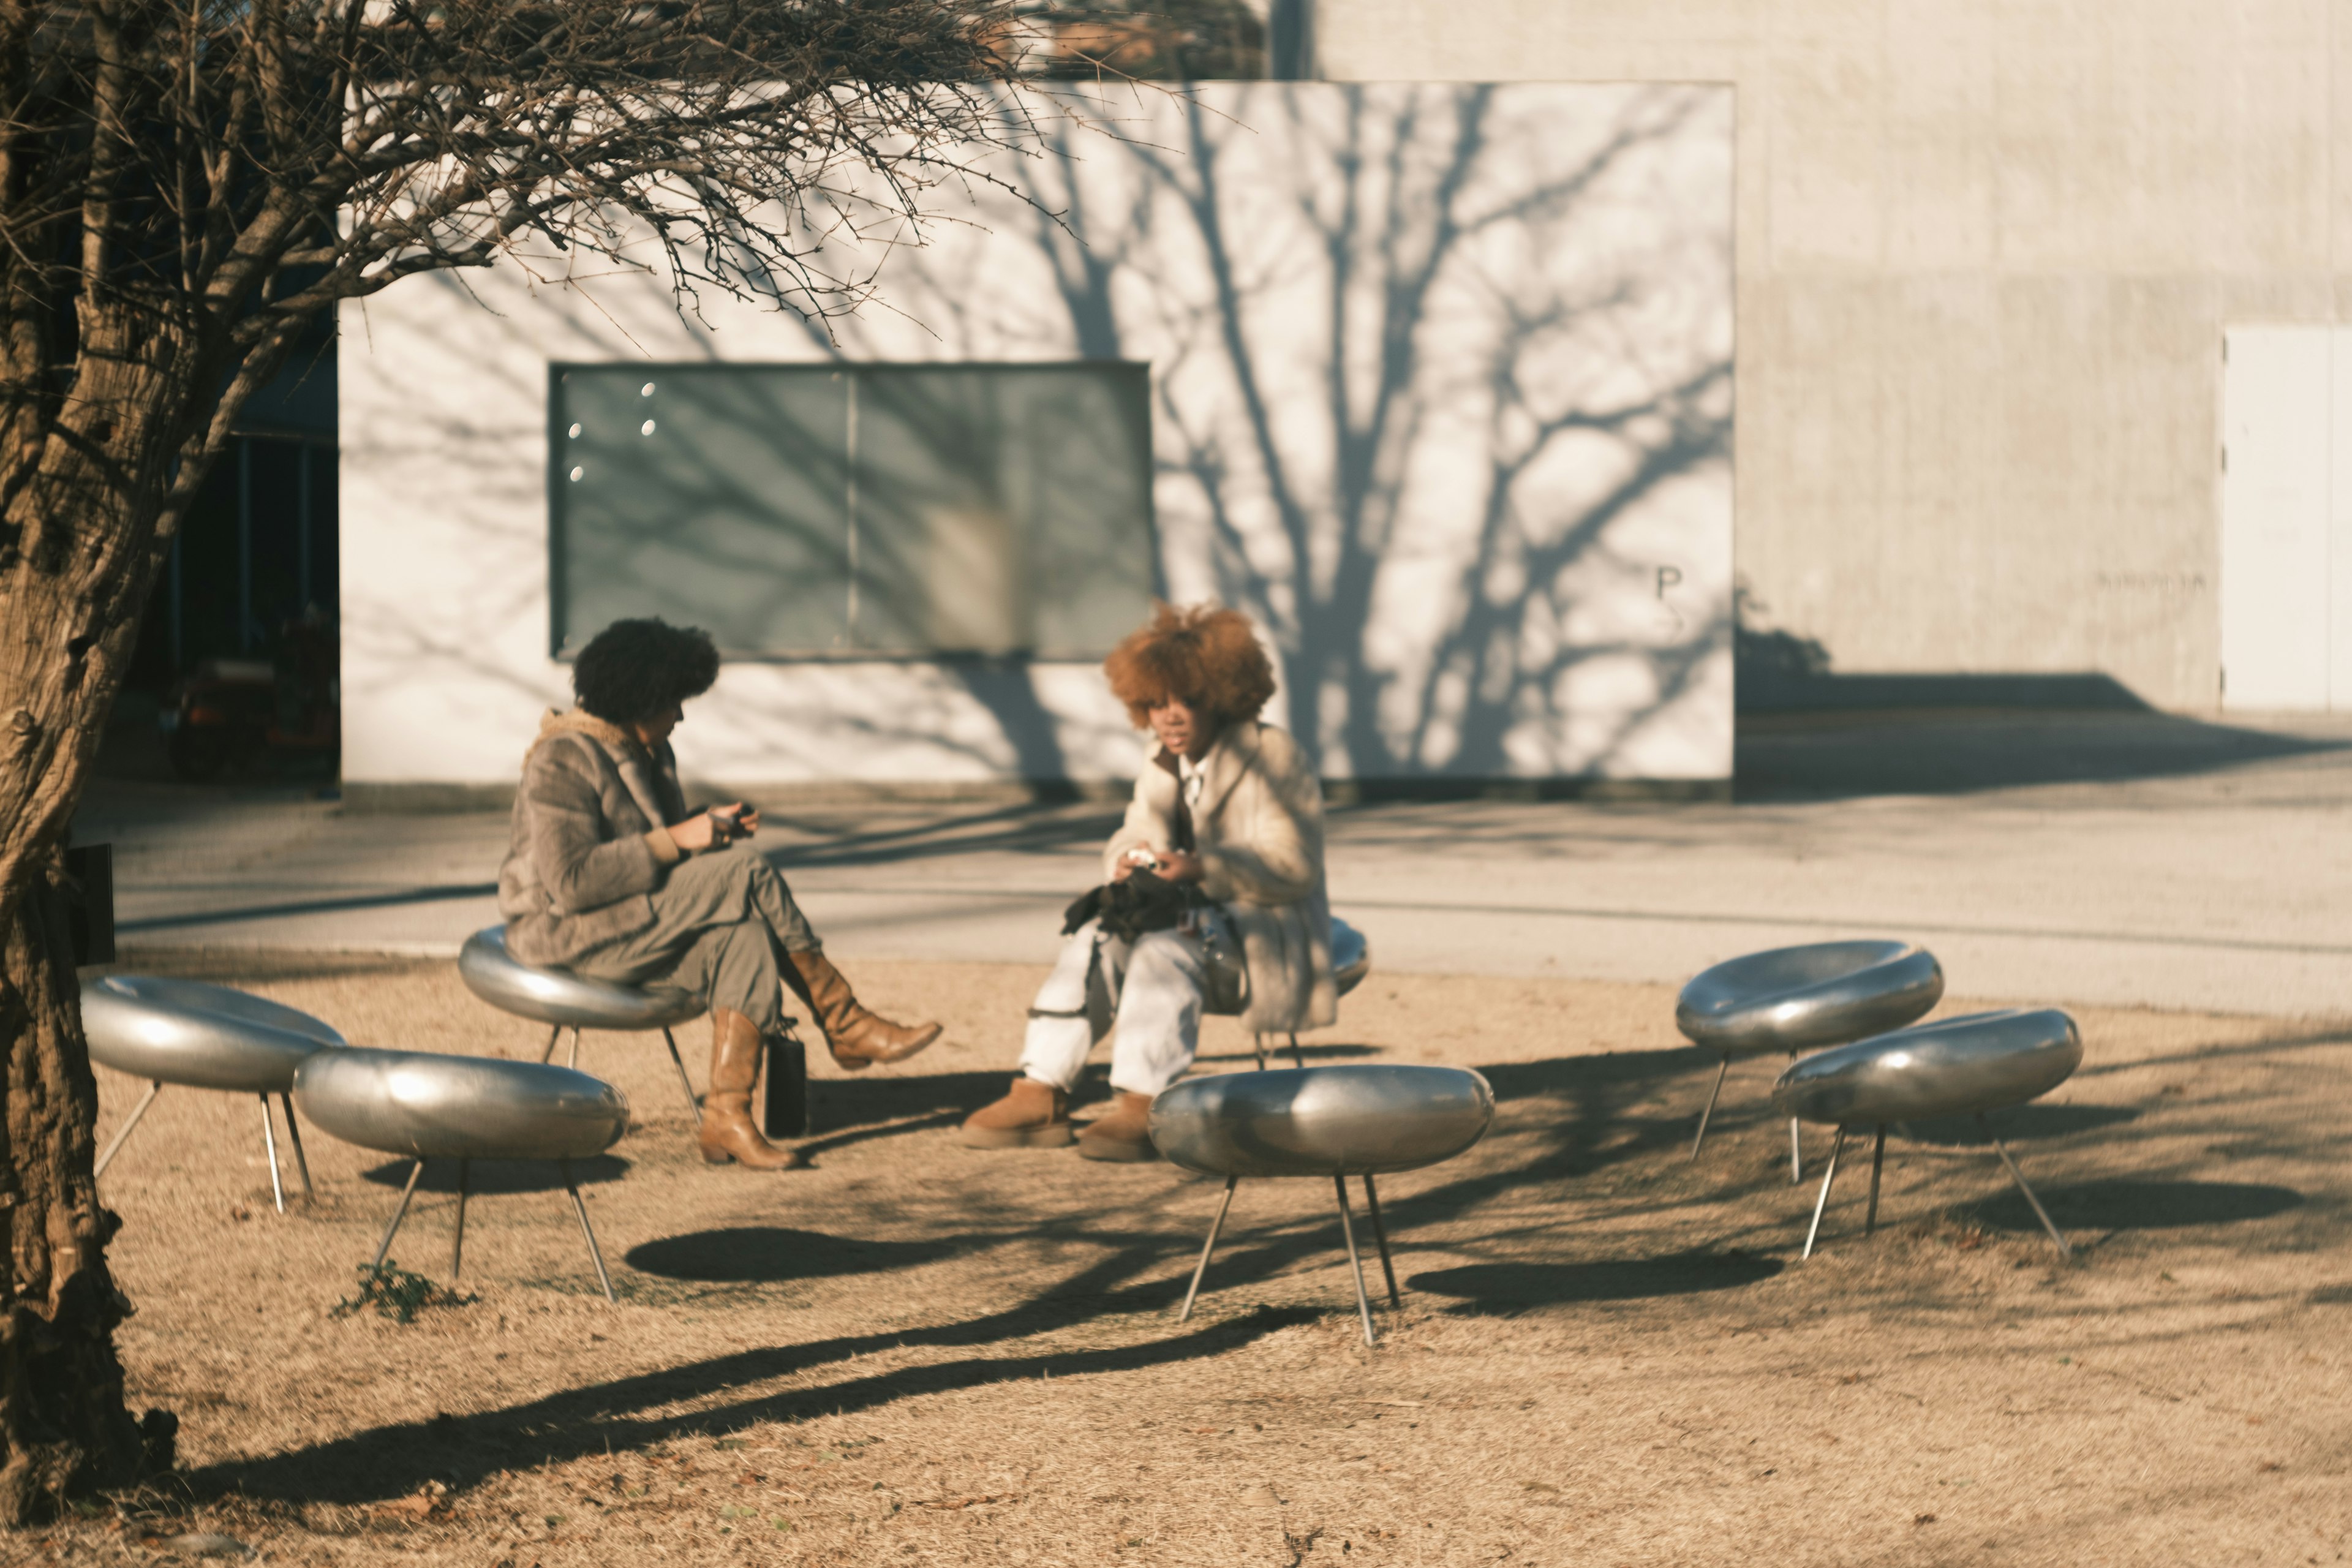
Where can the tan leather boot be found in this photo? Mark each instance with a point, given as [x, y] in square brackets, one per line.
[1122, 1132]
[727, 1130]
[1034, 1116]
[858, 1039]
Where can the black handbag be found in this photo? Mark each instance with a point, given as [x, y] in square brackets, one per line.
[1145, 901]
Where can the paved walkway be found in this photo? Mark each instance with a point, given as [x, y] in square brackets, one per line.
[2115, 858]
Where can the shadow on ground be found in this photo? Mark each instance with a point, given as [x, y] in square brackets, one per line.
[489, 1177]
[2125, 1205]
[1840, 755]
[2018, 1124]
[1512, 1286]
[765, 1254]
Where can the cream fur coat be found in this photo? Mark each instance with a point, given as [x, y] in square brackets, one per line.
[1258, 830]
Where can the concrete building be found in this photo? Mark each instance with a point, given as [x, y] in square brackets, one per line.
[1435, 380]
[1988, 255]
[2037, 386]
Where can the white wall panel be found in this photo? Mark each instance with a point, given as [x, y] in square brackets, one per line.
[1440, 378]
[2278, 432]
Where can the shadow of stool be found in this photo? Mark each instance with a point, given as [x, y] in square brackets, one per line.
[1226, 993]
[1793, 999]
[1956, 1066]
[202, 1036]
[562, 1000]
[428, 1106]
[1358, 1119]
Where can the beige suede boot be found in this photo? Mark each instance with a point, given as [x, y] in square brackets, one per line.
[727, 1130]
[1034, 1116]
[1122, 1132]
[858, 1039]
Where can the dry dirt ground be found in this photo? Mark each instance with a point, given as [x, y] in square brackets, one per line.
[913, 1352]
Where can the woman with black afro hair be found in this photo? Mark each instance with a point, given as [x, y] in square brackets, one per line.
[611, 875]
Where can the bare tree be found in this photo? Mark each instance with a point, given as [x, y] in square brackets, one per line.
[183, 188]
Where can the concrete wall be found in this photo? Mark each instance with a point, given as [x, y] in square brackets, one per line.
[1986, 253]
[1442, 384]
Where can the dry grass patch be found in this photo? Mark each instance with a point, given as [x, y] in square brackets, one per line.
[913, 1353]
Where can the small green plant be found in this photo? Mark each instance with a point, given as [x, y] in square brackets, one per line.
[396, 1293]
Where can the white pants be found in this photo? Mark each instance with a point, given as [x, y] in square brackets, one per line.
[1155, 986]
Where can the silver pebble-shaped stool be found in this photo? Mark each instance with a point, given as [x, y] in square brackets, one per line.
[203, 1036]
[1955, 1067]
[1358, 1119]
[429, 1106]
[1795, 999]
[1228, 982]
[562, 1000]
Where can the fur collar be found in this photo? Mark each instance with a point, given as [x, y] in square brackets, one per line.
[640, 769]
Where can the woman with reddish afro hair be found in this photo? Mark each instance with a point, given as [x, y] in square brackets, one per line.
[1220, 853]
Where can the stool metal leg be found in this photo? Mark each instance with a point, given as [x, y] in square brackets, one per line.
[1837, 1147]
[398, 1214]
[579, 1207]
[1259, 1040]
[270, 1145]
[1796, 1148]
[1877, 1158]
[457, 1234]
[1207, 1247]
[1380, 1240]
[693, 1106]
[130, 1121]
[1355, 1263]
[294, 1136]
[573, 1060]
[1709, 1109]
[1296, 1056]
[553, 1035]
[2019, 1176]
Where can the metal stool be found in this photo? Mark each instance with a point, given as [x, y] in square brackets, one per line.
[429, 1106]
[1336, 1122]
[203, 1036]
[562, 1000]
[1794, 998]
[1979, 1062]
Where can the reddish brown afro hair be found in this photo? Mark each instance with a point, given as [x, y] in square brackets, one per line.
[1205, 658]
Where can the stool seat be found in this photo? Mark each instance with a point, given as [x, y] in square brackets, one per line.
[421, 1103]
[426, 1105]
[1795, 998]
[1346, 1120]
[1351, 956]
[202, 1036]
[1953, 1067]
[562, 999]
[1358, 1119]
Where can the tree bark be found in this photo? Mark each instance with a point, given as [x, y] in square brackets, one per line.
[64, 1427]
[89, 505]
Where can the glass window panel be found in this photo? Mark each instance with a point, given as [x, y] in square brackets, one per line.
[729, 513]
[824, 511]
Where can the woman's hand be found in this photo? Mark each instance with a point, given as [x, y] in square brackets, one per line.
[1143, 857]
[1177, 866]
[715, 829]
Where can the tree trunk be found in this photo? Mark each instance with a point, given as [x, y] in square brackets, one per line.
[79, 539]
[63, 1425]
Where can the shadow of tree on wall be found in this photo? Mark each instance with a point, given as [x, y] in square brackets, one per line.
[1587, 396]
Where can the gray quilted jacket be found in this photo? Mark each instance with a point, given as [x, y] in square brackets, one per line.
[590, 839]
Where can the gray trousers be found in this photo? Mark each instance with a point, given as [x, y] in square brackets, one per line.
[722, 922]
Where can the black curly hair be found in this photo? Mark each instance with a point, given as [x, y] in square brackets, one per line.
[634, 669]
